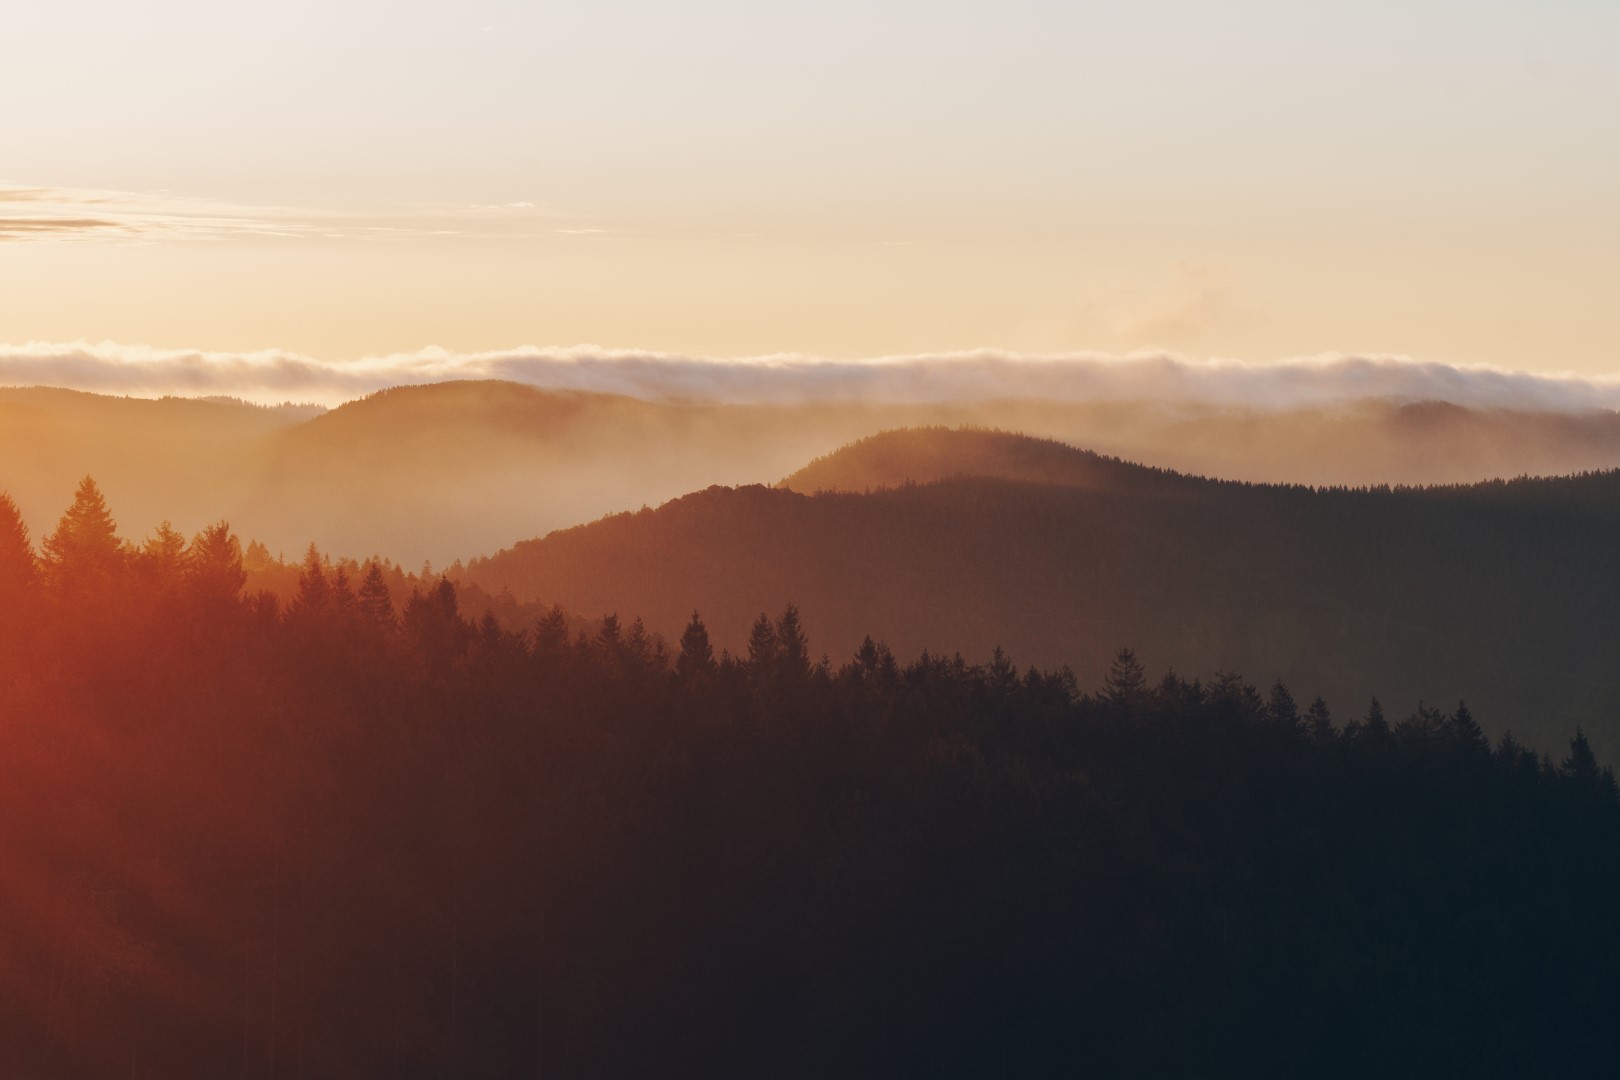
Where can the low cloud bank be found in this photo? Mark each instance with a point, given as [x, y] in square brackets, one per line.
[274, 376]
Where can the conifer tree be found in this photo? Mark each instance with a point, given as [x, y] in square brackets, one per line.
[375, 603]
[84, 552]
[551, 637]
[793, 650]
[1280, 706]
[213, 563]
[314, 590]
[1126, 682]
[608, 637]
[697, 654]
[762, 646]
[1470, 736]
[164, 553]
[638, 651]
[1319, 720]
[18, 567]
[1582, 767]
[1374, 726]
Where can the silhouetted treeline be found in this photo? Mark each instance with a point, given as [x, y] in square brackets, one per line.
[340, 838]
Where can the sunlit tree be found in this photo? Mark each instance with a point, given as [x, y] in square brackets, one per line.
[84, 553]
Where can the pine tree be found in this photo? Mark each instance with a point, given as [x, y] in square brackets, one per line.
[18, 567]
[551, 637]
[697, 654]
[1319, 720]
[163, 556]
[1470, 736]
[638, 651]
[84, 552]
[1280, 707]
[1583, 769]
[314, 591]
[762, 646]
[432, 620]
[1373, 726]
[214, 563]
[793, 650]
[608, 637]
[1126, 683]
[375, 604]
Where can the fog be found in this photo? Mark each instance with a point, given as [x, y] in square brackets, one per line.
[457, 470]
[271, 376]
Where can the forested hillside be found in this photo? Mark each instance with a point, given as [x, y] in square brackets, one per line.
[336, 839]
[1505, 590]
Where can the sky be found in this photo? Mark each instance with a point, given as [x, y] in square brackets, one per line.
[1248, 181]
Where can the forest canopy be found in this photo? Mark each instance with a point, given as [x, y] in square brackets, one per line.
[345, 836]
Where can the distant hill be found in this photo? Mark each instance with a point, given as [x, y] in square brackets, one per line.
[923, 455]
[1503, 592]
[454, 469]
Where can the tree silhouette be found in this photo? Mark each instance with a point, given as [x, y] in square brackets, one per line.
[1126, 681]
[213, 563]
[373, 599]
[697, 655]
[84, 553]
[314, 593]
[164, 553]
[18, 567]
[1470, 736]
[763, 647]
[792, 648]
[1280, 706]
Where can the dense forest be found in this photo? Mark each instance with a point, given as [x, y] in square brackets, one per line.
[1503, 590]
[326, 837]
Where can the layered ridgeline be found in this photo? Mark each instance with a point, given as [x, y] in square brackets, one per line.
[1504, 592]
[440, 472]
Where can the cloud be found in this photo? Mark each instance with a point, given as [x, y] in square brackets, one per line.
[81, 214]
[274, 376]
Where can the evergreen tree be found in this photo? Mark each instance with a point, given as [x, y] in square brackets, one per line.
[1374, 727]
[432, 622]
[1319, 720]
[373, 600]
[163, 555]
[1470, 736]
[214, 563]
[551, 638]
[1126, 682]
[697, 654]
[84, 553]
[314, 594]
[1280, 707]
[793, 650]
[18, 567]
[762, 646]
[608, 641]
[1583, 769]
[638, 651]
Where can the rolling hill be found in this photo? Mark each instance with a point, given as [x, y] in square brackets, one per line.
[1502, 592]
[450, 470]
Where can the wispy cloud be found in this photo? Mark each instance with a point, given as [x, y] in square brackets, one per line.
[80, 214]
[273, 376]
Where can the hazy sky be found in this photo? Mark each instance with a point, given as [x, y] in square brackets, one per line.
[1247, 179]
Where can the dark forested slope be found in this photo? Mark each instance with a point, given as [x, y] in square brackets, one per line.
[1506, 591]
[336, 839]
